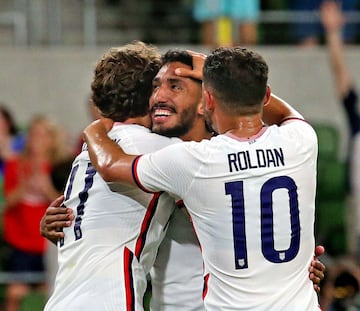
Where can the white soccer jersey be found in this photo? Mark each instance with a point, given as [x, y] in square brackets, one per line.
[252, 206]
[112, 243]
[177, 274]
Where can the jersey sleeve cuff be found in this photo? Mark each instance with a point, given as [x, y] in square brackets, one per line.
[136, 177]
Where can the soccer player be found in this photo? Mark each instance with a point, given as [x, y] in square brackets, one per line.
[107, 252]
[176, 277]
[250, 191]
[175, 109]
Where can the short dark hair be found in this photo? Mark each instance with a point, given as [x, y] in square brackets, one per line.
[176, 55]
[238, 77]
[181, 56]
[122, 81]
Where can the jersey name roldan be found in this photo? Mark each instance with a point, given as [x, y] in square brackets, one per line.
[244, 160]
[252, 204]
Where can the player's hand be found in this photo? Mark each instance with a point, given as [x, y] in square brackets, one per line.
[331, 15]
[198, 64]
[54, 219]
[317, 268]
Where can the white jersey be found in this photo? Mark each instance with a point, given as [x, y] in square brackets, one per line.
[252, 203]
[109, 249]
[177, 274]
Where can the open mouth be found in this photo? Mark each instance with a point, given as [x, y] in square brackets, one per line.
[160, 113]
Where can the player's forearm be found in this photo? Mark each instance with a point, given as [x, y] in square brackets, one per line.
[106, 156]
[277, 110]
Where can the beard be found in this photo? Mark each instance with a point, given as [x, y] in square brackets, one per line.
[186, 123]
[208, 121]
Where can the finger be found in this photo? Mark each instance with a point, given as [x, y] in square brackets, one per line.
[318, 267]
[197, 55]
[318, 275]
[54, 235]
[53, 211]
[198, 60]
[58, 201]
[315, 279]
[51, 219]
[319, 250]
[55, 225]
[188, 73]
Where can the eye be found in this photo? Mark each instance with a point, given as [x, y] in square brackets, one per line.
[176, 86]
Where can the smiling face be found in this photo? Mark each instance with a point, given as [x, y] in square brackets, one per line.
[174, 102]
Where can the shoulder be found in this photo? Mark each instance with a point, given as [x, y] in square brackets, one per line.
[298, 126]
[139, 139]
[297, 133]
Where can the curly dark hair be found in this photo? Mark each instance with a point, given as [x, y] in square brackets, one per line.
[122, 81]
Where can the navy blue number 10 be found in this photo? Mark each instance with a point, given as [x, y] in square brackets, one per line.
[236, 191]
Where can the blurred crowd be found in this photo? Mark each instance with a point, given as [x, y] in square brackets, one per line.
[35, 158]
[35, 161]
[246, 22]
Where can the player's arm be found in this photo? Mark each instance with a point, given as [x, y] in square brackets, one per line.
[55, 218]
[317, 268]
[109, 160]
[276, 111]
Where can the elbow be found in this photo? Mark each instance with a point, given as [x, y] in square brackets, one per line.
[113, 169]
[106, 171]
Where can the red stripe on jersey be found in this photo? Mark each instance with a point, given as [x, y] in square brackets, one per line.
[135, 175]
[180, 204]
[150, 211]
[128, 278]
[205, 289]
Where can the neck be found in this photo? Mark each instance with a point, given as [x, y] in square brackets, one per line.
[144, 121]
[197, 133]
[243, 127]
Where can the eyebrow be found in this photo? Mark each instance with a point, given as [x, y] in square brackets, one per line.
[178, 79]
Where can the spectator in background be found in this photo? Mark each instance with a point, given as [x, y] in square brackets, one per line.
[218, 19]
[10, 140]
[310, 33]
[333, 21]
[341, 286]
[28, 190]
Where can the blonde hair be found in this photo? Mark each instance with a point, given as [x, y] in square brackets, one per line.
[60, 149]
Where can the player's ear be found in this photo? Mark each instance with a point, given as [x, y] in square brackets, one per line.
[209, 100]
[267, 95]
[200, 105]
